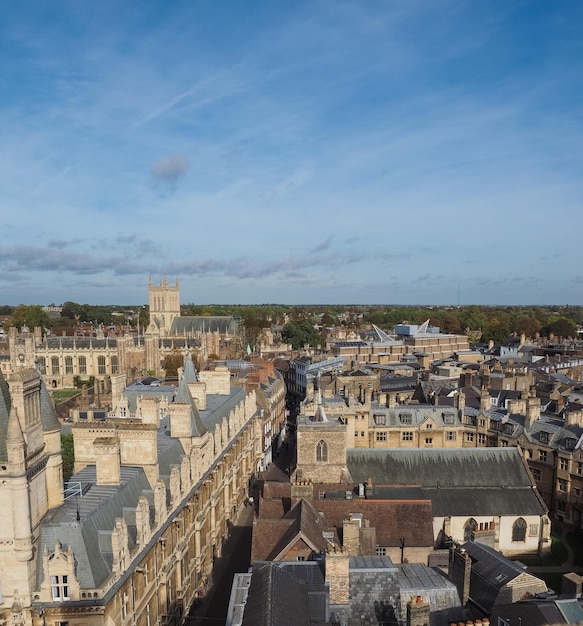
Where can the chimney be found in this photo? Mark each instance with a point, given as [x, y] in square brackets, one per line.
[459, 571]
[485, 402]
[532, 410]
[107, 461]
[573, 418]
[460, 401]
[350, 535]
[418, 611]
[571, 586]
[337, 577]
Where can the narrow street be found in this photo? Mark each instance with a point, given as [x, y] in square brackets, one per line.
[235, 558]
[237, 553]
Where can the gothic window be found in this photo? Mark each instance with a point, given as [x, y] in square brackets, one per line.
[469, 527]
[322, 452]
[82, 365]
[42, 364]
[60, 588]
[101, 365]
[519, 530]
[55, 365]
[114, 365]
[68, 365]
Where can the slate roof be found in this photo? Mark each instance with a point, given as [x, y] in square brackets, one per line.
[531, 613]
[490, 573]
[90, 537]
[278, 595]
[553, 433]
[432, 585]
[79, 343]
[48, 414]
[416, 414]
[491, 480]
[183, 396]
[136, 390]
[224, 324]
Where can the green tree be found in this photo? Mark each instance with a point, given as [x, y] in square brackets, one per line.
[299, 333]
[68, 454]
[561, 327]
[32, 316]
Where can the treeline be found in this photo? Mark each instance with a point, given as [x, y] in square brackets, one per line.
[73, 314]
[298, 322]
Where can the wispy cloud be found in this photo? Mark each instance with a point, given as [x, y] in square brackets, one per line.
[392, 151]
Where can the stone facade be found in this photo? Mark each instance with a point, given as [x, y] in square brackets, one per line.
[133, 536]
[321, 451]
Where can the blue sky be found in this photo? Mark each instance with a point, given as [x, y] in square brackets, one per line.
[292, 152]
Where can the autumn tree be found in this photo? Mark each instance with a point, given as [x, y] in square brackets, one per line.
[171, 363]
[31, 316]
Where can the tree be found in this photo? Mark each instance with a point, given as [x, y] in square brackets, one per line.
[299, 333]
[171, 364]
[68, 455]
[31, 316]
[562, 327]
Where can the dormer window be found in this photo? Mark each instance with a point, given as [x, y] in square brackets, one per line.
[406, 418]
[60, 588]
[448, 418]
[544, 436]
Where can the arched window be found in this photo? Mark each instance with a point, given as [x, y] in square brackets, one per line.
[519, 530]
[322, 452]
[114, 365]
[55, 365]
[82, 365]
[469, 527]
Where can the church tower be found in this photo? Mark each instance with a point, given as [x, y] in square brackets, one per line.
[164, 306]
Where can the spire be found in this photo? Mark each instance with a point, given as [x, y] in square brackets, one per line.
[320, 414]
[183, 396]
[189, 374]
[48, 414]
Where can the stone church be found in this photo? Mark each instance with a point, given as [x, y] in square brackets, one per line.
[62, 359]
[486, 494]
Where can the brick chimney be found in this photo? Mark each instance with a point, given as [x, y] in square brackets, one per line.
[350, 535]
[338, 577]
[418, 611]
